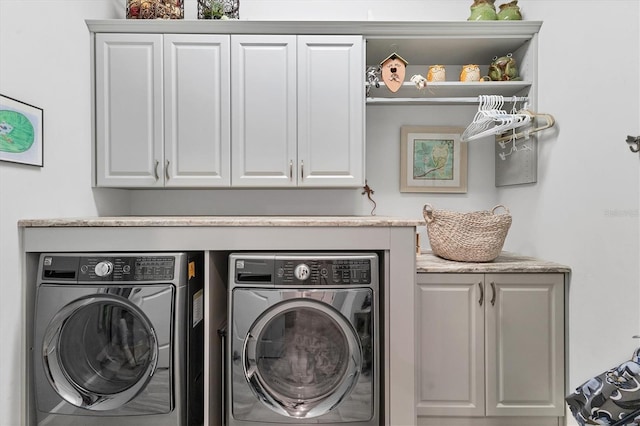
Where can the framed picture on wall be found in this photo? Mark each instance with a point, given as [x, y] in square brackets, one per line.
[432, 159]
[21, 132]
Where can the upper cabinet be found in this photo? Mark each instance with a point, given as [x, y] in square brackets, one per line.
[298, 111]
[275, 104]
[162, 110]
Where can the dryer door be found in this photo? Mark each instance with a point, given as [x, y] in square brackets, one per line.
[100, 351]
[302, 358]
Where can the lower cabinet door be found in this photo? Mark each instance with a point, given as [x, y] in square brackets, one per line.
[450, 329]
[525, 344]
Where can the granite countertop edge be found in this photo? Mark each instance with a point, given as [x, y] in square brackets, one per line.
[212, 221]
[427, 262]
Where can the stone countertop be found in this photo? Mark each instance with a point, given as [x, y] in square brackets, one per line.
[507, 262]
[211, 221]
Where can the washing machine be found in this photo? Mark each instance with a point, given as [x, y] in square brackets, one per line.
[303, 339]
[119, 339]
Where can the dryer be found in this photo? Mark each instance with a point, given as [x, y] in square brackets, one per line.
[303, 339]
[119, 339]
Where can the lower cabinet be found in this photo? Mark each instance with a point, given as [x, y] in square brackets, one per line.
[490, 348]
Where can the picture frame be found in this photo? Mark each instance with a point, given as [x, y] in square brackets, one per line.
[432, 159]
[21, 132]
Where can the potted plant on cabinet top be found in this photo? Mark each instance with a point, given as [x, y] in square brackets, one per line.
[218, 9]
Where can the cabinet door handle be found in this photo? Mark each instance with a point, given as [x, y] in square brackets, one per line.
[156, 170]
[290, 169]
[166, 170]
[302, 169]
[481, 301]
[493, 293]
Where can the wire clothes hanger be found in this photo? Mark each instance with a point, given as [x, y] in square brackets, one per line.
[491, 119]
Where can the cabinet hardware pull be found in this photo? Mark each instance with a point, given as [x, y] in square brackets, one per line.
[302, 169]
[493, 293]
[481, 294]
[634, 140]
[290, 169]
[166, 170]
[156, 170]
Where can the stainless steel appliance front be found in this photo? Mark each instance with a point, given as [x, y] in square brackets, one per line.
[303, 339]
[113, 340]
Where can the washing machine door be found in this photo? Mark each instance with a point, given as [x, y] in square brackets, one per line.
[302, 358]
[99, 352]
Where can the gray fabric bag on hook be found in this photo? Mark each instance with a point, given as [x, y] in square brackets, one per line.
[611, 398]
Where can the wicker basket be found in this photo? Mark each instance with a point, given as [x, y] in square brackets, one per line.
[467, 237]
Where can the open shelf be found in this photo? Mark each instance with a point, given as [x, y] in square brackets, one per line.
[452, 92]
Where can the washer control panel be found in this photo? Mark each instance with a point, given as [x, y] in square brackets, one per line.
[308, 270]
[103, 268]
[348, 271]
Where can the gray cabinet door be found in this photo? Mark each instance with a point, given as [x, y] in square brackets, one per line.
[450, 330]
[263, 117]
[197, 110]
[525, 344]
[129, 119]
[330, 111]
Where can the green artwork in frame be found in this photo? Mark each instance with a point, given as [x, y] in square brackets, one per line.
[433, 159]
[20, 132]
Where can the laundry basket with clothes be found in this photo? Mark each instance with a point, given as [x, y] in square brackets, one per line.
[610, 399]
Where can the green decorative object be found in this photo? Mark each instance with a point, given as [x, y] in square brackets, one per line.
[483, 10]
[16, 132]
[218, 9]
[510, 12]
[503, 68]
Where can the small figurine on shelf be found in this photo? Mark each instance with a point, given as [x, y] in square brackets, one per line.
[393, 71]
[503, 68]
[483, 10]
[436, 73]
[470, 72]
[373, 78]
[419, 81]
[510, 12]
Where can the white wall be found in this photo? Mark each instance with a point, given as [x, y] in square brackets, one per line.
[583, 211]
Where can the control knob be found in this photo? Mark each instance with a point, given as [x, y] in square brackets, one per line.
[302, 272]
[103, 268]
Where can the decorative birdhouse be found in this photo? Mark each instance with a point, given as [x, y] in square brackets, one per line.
[393, 71]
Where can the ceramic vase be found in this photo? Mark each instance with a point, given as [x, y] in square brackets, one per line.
[510, 12]
[483, 10]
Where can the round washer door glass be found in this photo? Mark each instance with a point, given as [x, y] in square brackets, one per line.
[100, 351]
[303, 356]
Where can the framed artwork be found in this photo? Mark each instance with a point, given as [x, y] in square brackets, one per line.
[432, 159]
[20, 132]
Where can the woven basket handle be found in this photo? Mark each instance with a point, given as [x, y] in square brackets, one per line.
[493, 210]
[427, 212]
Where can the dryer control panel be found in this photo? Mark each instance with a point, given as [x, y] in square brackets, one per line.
[304, 270]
